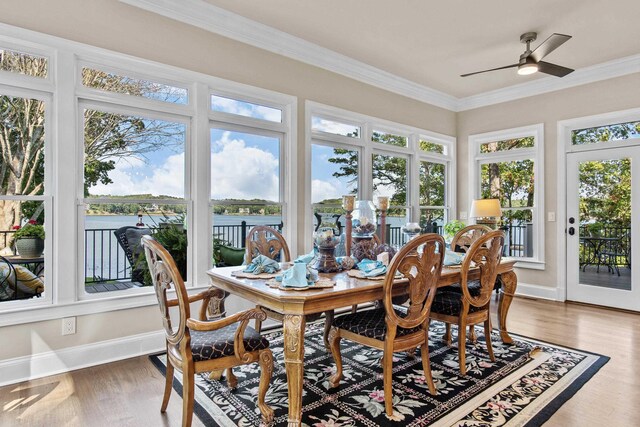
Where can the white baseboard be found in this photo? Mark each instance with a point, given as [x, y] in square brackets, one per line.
[537, 291]
[39, 365]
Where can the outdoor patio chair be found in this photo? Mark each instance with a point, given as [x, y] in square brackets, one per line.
[18, 282]
[202, 345]
[393, 328]
[472, 305]
[129, 239]
[615, 252]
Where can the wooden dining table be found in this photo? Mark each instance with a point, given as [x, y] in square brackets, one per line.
[294, 305]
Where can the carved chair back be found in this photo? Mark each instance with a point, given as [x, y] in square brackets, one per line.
[267, 241]
[464, 238]
[165, 276]
[485, 253]
[422, 269]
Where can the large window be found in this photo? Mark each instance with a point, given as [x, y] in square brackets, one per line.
[110, 150]
[508, 167]
[25, 229]
[246, 183]
[134, 184]
[355, 154]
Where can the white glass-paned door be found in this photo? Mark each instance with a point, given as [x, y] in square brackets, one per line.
[603, 189]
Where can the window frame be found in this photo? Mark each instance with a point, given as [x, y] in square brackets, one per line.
[536, 154]
[64, 189]
[366, 148]
[22, 86]
[115, 107]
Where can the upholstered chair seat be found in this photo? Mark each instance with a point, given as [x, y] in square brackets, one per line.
[207, 345]
[450, 303]
[371, 323]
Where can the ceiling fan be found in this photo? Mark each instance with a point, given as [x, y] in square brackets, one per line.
[531, 61]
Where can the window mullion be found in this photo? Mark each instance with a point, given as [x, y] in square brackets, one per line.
[201, 220]
[66, 272]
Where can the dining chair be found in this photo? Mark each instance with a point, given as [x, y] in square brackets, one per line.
[393, 328]
[267, 241]
[461, 242]
[472, 304]
[464, 238]
[202, 345]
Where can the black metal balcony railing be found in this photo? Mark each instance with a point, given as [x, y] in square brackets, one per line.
[105, 260]
[617, 247]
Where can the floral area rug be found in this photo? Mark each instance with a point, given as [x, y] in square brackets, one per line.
[526, 384]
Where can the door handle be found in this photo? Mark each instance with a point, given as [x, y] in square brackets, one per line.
[572, 231]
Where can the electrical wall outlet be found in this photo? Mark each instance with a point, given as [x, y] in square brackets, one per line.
[68, 325]
[463, 215]
[551, 216]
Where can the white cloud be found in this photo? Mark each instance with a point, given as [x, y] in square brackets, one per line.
[384, 190]
[331, 189]
[330, 126]
[322, 190]
[246, 109]
[128, 178]
[241, 172]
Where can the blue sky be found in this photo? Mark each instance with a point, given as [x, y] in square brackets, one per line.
[243, 165]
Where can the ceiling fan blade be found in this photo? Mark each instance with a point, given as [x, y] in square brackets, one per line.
[553, 69]
[493, 69]
[554, 41]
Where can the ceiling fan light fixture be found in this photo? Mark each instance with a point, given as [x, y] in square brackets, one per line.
[527, 68]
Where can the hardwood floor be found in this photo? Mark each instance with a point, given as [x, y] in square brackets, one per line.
[129, 392]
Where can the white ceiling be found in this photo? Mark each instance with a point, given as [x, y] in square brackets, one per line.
[432, 42]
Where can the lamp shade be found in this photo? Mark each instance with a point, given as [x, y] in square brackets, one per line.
[482, 208]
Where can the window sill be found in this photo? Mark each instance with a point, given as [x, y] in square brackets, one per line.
[47, 311]
[528, 263]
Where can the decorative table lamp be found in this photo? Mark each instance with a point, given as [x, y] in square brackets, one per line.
[486, 212]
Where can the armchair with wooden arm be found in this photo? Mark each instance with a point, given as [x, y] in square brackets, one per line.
[204, 345]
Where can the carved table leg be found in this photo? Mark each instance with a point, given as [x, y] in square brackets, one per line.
[509, 284]
[294, 363]
[328, 320]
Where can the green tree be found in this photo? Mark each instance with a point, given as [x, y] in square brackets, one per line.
[391, 171]
[108, 137]
[605, 186]
[512, 182]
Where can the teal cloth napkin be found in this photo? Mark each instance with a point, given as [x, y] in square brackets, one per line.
[262, 264]
[306, 258]
[298, 276]
[453, 258]
[371, 268]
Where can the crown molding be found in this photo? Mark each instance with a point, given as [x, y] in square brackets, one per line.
[603, 71]
[220, 21]
[214, 19]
